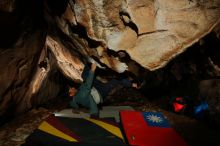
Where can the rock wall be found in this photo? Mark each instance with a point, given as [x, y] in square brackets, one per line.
[42, 38]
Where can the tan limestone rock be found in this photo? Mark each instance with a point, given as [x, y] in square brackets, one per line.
[178, 25]
[142, 13]
[71, 66]
[100, 18]
[153, 32]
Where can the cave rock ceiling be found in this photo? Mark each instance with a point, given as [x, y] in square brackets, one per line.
[152, 32]
[42, 36]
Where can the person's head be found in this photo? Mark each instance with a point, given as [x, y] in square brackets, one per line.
[72, 87]
[72, 91]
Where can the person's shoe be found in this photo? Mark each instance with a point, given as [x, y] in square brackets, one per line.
[94, 116]
[75, 111]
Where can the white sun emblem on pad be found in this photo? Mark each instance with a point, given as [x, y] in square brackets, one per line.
[154, 118]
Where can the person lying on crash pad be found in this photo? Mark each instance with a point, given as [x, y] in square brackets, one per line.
[82, 96]
[91, 93]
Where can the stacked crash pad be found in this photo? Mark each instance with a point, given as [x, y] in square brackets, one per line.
[67, 128]
[105, 131]
[62, 131]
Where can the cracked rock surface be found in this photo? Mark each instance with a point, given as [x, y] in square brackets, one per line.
[45, 42]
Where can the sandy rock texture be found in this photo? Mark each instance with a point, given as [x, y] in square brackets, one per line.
[152, 32]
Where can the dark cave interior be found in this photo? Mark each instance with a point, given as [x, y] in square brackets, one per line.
[183, 76]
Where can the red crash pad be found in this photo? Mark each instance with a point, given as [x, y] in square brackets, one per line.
[149, 129]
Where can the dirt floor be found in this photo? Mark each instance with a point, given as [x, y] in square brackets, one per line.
[194, 132]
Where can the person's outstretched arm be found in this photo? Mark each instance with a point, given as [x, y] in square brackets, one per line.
[85, 88]
[89, 79]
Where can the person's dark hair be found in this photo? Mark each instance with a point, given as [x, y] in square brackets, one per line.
[73, 84]
[123, 56]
